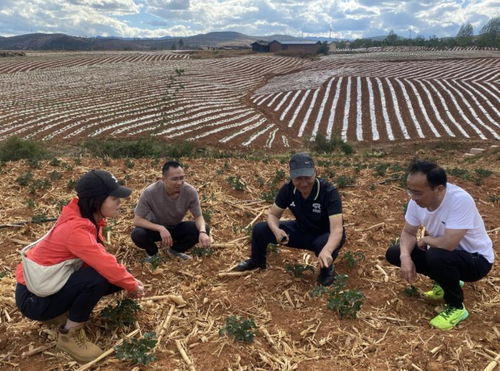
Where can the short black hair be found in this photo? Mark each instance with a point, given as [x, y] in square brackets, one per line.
[167, 165]
[435, 174]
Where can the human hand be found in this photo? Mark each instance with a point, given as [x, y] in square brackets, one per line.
[422, 243]
[325, 258]
[139, 291]
[408, 271]
[166, 237]
[204, 240]
[281, 236]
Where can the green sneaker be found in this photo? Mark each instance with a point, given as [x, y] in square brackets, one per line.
[449, 317]
[437, 292]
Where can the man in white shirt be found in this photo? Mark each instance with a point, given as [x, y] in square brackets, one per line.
[455, 246]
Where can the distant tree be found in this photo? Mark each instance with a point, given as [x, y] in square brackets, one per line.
[490, 33]
[465, 34]
[324, 48]
[391, 39]
[180, 43]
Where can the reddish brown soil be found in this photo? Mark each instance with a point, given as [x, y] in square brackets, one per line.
[295, 331]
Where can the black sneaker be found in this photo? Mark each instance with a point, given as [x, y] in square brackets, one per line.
[326, 276]
[248, 265]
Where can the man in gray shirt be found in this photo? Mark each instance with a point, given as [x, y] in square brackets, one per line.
[160, 212]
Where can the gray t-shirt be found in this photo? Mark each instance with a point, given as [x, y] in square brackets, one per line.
[157, 207]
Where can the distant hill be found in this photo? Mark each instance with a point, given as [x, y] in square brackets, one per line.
[58, 41]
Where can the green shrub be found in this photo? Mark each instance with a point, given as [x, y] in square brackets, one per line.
[270, 196]
[137, 351]
[55, 162]
[202, 251]
[273, 248]
[493, 198]
[14, 148]
[123, 314]
[24, 179]
[353, 258]
[236, 183]
[318, 291]
[343, 181]
[298, 270]
[55, 175]
[139, 148]
[39, 185]
[346, 303]
[323, 145]
[411, 291]
[39, 218]
[30, 203]
[239, 328]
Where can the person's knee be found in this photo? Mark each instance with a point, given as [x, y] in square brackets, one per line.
[436, 258]
[94, 280]
[392, 254]
[138, 235]
[260, 228]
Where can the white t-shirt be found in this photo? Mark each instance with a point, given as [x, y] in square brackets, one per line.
[457, 211]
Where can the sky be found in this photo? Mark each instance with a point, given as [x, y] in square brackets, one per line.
[346, 19]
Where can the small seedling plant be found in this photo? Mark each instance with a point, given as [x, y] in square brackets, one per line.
[298, 270]
[411, 291]
[156, 261]
[202, 251]
[239, 328]
[236, 183]
[353, 258]
[123, 314]
[346, 303]
[137, 351]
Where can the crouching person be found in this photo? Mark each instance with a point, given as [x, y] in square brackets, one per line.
[64, 274]
[454, 247]
[318, 227]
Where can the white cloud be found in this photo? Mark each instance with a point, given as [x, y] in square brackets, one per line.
[153, 18]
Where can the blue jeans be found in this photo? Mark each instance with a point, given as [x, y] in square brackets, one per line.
[79, 296]
[445, 267]
[297, 238]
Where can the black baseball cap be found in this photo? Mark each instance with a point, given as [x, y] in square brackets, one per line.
[97, 183]
[301, 164]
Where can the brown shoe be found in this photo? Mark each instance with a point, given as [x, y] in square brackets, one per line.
[74, 342]
[58, 321]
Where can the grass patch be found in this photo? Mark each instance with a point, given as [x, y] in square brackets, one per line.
[323, 145]
[14, 148]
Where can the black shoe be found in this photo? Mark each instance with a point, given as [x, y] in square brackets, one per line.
[248, 265]
[326, 276]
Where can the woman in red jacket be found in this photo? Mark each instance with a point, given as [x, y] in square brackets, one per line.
[76, 237]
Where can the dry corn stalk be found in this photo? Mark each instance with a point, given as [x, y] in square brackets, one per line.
[420, 232]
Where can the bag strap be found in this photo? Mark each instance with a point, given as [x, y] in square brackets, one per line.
[25, 249]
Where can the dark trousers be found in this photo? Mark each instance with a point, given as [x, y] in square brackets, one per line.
[79, 296]
[297, 238]
[445, 267]
[184, 235]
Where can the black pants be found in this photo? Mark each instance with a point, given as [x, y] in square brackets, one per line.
[297, 238]
[79, 296]
[184, 235]
[445, 267]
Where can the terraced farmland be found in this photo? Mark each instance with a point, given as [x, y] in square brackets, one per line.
[249, 101]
